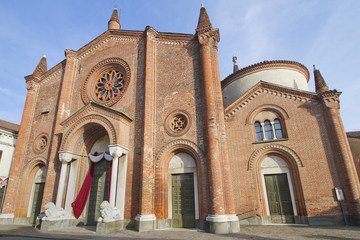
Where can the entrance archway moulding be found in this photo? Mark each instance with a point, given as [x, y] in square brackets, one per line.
[275, 148]
[184, 145]
[36, 161]
[94, 118]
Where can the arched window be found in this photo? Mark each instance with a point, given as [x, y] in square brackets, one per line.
[277, 127]
[268, 130]
[259, 131]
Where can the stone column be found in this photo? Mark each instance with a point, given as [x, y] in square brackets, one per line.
[273, 129]
[64, 157]
[145, 220]
[115, 151]
[120, 200]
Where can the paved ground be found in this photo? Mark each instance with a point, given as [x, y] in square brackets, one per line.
[13, 232]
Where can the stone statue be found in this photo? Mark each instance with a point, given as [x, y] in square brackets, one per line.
[108, 213]
[52, 212]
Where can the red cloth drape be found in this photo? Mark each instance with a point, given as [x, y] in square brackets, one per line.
[110, 171]
[79, 204]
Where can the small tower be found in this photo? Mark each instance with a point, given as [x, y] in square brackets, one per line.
[114, 22]
[320, 84]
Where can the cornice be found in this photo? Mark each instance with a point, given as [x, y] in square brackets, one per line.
[266, 65]
[98, 108]
[273, 89]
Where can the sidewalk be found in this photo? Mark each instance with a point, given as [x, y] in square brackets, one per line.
[14, 232]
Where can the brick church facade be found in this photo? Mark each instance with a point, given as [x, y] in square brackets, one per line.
[141, 119]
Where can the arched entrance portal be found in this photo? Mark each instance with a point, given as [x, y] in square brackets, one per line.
[278, 190]
[36, 195]
[100, 188]
[182, 190]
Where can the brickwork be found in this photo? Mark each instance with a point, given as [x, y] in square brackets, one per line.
[307, 135]
[170, 74]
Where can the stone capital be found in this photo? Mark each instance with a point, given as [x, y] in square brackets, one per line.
[30, 84]
[116, 150]
[70, 54]
[65, 156]
[210, 38]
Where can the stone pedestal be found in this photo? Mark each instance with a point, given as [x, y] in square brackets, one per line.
[222, 224]
[145, 223]
[57, 225]
[109, 227]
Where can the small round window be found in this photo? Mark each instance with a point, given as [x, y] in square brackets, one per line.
[177, 123]
[40, 144]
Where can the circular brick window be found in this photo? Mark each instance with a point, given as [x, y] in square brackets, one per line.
[107, 82]
[177, 123]
[40, 144]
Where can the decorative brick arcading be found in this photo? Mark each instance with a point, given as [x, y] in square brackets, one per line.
[180, 144]
[273, 148]
[104, 121]
[265, 88]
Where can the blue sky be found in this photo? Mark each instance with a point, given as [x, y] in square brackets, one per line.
[324, 33]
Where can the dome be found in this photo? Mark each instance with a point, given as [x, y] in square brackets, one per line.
[285, 73]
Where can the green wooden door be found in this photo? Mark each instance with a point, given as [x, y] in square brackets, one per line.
[183, 203]
[98, 192]
[36, 203]
[279, 198]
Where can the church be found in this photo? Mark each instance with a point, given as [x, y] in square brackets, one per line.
[137, 130]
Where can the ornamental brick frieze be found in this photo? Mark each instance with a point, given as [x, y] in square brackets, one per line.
[93, 119]
[265, 88]
[273, 148]
[94, 108]
[330, 99]
[180, 144]
[96, 45]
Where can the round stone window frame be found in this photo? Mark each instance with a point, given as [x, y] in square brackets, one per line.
[88, 87]
[36, 142]
[171, 116]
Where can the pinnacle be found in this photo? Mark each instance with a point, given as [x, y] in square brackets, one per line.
[114, 22]
[320, 84]
[204, 23]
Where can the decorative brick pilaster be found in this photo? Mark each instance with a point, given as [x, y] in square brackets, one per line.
[344, 159]
[63, 112]
[146, 208]
[14, 189]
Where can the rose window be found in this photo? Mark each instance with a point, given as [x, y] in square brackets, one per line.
[107, 82]
[109, 85]
[178, 123]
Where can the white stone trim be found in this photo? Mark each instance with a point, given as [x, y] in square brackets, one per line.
[7, 215]
[278, 170]
[145, 218]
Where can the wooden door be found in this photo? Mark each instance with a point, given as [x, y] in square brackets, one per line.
[183, 203]
[279, 198]
[98, 192]
[36, 203]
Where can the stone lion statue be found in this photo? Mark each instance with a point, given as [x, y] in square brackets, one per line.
[108, 213]
[52, 212]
